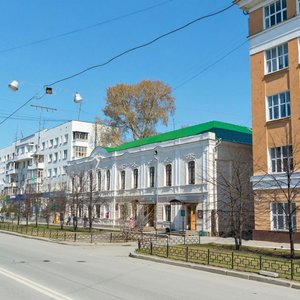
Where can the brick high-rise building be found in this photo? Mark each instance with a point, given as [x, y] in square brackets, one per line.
[274, 31]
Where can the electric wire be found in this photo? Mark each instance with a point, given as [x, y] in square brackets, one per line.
[145, 44]
[210, 65]
[85, 28]
[126, 52]
[20, 107]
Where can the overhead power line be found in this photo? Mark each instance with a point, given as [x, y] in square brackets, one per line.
[126, 52]
[211, 65]
[24, 104]
[145, 44]
[84, 28]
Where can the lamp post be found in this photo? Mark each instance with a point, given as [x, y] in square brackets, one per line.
[155, 156]
[78, 99]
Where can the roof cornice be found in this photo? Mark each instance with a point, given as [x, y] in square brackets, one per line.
[249, 5]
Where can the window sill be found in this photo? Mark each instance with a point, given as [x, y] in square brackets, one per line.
[285, 119]
[269, 75]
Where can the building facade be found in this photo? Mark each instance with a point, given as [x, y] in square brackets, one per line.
[164, 181]
[37, 163]
[274, 31]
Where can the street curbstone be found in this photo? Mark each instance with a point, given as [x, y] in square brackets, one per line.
[216, 270]
[295, 286]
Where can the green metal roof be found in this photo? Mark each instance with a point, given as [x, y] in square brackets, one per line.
[225, 131]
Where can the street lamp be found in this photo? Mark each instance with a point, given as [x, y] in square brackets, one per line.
[78, 99]
[14, 85]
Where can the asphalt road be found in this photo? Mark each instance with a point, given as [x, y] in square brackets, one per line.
[34, 269]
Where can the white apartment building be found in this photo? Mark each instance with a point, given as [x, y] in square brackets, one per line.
[37, 163]
[166, 181]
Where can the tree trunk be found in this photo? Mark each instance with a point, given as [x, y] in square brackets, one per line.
[292, 246]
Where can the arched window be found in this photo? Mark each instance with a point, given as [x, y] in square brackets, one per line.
[81, 183]
[108, 180]
[191, 172]
[73, 184]
[168, 175]
[122, 180]
[151, 176]
[99, 181]
[135, 178]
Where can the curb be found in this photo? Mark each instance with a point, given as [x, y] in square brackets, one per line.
[68, 243]
[216, 270]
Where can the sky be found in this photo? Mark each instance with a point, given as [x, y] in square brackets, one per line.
[42, 41]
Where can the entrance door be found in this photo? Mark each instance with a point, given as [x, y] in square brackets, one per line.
[149, 214]
[193, 218]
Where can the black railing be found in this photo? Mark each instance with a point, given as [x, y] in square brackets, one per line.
[285, 268]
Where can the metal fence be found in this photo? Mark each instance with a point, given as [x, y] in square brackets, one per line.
[97, 236]
[286, 268]
[75, 236]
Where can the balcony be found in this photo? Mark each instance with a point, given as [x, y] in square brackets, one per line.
[35, 166]
[23, 156]
[12, 171]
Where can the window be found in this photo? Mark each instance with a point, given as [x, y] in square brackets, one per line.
[135, 178]
[277, 58]
[168, 175]
[99, 181]
[50, 143]
[108, 180]
[98, 210]
[80, 151]
[280, 216]
[65, 154]
[80, 184]
[50, 158]
[151, 176]
[279, 106]
[64, 170]
[281, 159]
[73, 185]
[167, 213]
[54, 172]
[106, 211]
[191, 172]
[66, 138]
[56, 142]
[55, 157]
[122, 180]
[49, 172]
[82, 136]
[275, 13]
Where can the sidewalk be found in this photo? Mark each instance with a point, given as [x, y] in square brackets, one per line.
[262, 244]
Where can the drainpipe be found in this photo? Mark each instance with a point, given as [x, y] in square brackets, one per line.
[215, 204]
[155, 156]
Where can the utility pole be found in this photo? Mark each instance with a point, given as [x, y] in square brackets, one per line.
[37, 177]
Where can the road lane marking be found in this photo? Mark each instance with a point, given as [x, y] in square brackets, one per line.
[38, 287]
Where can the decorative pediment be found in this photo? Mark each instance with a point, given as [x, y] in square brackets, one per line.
[134, 165]
[150, 162]
[122, 166]
[168, 160]
[190, 156]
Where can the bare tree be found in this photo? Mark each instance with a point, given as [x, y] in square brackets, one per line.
[235, 199]
[94, 197]
[279, 190]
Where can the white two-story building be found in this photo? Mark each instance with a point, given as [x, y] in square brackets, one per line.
[167, 180]
[37, 163]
